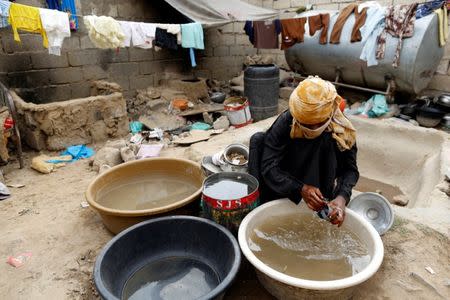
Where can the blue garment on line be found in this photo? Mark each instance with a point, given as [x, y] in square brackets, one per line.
[374, 25]
[77, 152]
[192, 36]
[67, 6]
[425, 9]
[4, 13]
[192, 55]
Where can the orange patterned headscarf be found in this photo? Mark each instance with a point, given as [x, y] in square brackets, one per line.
[316, 101]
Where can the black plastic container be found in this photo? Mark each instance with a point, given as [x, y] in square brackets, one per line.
[262, 88]
[163, 238]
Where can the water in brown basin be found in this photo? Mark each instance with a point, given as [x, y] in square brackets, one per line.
[306, 247]
[147, 191]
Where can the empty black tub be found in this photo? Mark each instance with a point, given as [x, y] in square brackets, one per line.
[178, 257]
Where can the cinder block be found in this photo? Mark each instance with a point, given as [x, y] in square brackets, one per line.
[93, 72]
[167, 54]
[53, 93]
[15, 62]
[80, 90]
[242, 39]
[202, 73]
[137, 54]
[141, 81]
[150, 67]
[123, 81]
[113, 56]
[85, 42]
[72, 43]
[28, 42]
[46, 61]
[124, 69]
[221, 51]
[282, 4]
[238, 50]
[66, 75]
[228, 28]
[227, 39]
[239, 27]
[34, 78]
[83, 57]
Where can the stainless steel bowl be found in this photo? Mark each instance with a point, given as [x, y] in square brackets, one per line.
[236, 148]
[375, 209]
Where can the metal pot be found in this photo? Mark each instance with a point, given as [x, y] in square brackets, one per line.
[443, 102]
[218, 97]
[236, 148]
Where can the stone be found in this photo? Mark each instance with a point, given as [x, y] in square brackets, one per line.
[157, 105]
[238, 90]
[117, 144]
[39, 164]
[208, 118]
[127, 154]
[103, 168]
[107, 156]
[65, 75]
[239, 80]
[46, 61]
[84, 57]
[400, 200]
[221, 123]
[162, 120]
[285, 92]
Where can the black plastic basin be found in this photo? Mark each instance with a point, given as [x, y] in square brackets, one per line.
[168, 245]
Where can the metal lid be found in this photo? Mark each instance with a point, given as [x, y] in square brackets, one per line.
[375, 209]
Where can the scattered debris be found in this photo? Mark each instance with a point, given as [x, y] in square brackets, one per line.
[194, 136]
[201, 108]
[102, 87]
[401, 200]
[16, 185]
[421, 280]
[147, 151]
[259, 60]
[84, 204]
[221, 123]
[127, 154]
[195, 89]
[137, 139]
[200, 126]
[408, 287]
[108, 156]
[118, 144]
[162, 120]
[208, 118]
[136, 127]
[430, 270]
[19, 260]
[180, 104]
[41, 163]
[25, 211]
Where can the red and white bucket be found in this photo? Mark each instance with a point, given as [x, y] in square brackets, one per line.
[238, 111]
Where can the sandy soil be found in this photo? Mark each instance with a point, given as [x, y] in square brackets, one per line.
[45, 217]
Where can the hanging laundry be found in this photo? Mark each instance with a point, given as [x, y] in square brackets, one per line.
[192, 38]
[400, 21]
[26, 18]
[173, 29]
[4, 13]
[69, 7]
[248, 28]
[427, 8]
[370, 31]
[443, 25]
[266, 34]
[127, 29]
[319, 22]
[166, 40]
[54, 4]
[143, 35]
[57, 28]
[292, 32]
[360, 19]
[104, 32]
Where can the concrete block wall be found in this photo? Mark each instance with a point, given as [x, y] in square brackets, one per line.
[47, 78]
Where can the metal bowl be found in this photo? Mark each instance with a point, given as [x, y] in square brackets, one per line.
[375, 209]
[444, 100]
[218, 97]
[236, 148]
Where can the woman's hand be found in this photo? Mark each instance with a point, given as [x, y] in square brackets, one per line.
[337, 211]
[313, 197]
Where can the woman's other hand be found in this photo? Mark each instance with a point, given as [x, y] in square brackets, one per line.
[337, 211]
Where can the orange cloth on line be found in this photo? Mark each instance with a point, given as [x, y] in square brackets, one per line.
[293, 31]
[317, 22]
[360, 20]
[27, 18]
[315, 101]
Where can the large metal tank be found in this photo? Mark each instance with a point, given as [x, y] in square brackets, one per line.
[419, 59]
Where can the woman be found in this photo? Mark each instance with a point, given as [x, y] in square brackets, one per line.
[309, 152]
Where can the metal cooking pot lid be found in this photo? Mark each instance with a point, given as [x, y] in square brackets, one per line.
[375, 209]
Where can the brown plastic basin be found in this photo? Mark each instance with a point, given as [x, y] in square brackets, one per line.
[117, 220]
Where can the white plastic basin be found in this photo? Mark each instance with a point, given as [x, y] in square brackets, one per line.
[283, 286]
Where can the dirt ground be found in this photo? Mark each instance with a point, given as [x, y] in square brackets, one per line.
[45, 217]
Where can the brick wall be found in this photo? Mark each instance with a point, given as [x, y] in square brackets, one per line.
[48, 78]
